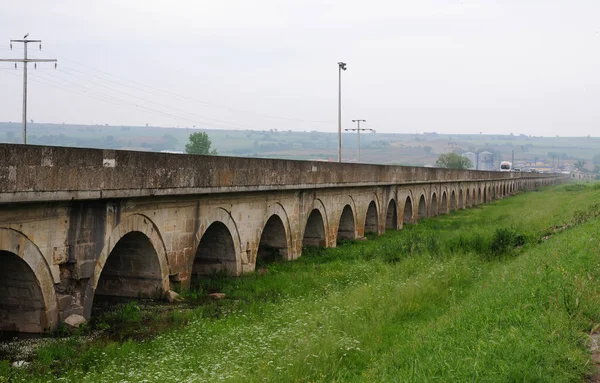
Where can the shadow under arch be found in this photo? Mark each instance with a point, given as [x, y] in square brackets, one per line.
[422, 208]
[319, 206]
[23, 268]
[274, 238]
[217, 244]
[139, 231]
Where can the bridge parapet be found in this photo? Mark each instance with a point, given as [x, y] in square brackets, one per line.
[43, 173]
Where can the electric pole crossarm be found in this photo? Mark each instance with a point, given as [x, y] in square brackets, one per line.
[29, 60]
[358, 130]
[25, 41]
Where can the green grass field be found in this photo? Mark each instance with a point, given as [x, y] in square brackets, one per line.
[505, 292]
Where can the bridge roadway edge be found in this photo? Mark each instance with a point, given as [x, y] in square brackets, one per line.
[200, 214]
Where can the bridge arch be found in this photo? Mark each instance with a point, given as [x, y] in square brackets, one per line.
[453, 200]
[217, 244]
[372, 214]
[372, 219]
[314, 230]
[433, 210]
[422, 208]
[461, 199]
[444, 206]
[408, 210]
[347, 224]
[468, 198]
[391, 216]
[31, 305]
[132, 263]
[314, 235]
[275, 238]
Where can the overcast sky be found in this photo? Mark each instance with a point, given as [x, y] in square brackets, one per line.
[491, 66]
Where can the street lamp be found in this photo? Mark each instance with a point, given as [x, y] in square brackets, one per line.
[341, 66]
[358, 129]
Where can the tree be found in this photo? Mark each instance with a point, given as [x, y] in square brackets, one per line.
[200, 144]
[453, 161]
[580, 164]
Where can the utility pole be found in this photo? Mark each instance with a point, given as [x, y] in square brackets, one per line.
[358, 129]
[25, 60]
[341, 66]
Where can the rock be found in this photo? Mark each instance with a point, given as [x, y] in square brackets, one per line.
[74, 321]
[217, 296]
[20, 363]
[172, 296]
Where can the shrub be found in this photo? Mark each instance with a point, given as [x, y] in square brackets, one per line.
[504, 241]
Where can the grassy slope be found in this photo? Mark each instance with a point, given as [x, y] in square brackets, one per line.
[414, 305]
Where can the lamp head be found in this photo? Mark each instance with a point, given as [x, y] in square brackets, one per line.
[342, 65]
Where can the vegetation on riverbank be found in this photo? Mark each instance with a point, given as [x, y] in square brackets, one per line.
[507, 291]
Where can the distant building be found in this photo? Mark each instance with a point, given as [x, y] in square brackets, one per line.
[577, 175]
[472, 157]
[486, 161]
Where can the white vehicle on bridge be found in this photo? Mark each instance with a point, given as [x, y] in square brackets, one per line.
[505, 166]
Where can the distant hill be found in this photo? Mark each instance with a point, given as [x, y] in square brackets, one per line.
[383, 148]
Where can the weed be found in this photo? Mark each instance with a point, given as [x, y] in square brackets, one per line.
[4, 371]
[504, 242]
[267, 255]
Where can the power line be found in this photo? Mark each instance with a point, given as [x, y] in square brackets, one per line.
[140, 86]
[25, 60]
[88, 92]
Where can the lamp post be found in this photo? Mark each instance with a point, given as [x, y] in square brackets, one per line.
[358, 129]
[341, 66]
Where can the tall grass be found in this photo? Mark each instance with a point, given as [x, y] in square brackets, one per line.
[485, 294]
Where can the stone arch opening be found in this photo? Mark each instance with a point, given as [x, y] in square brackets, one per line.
[422, 208]
[484, 195]
[273, 241]
[408, 211]
[434, 206]
[453, 201]
[22, 306]
[468, 199]
[215, 253]
[371, 220]
[132, 270]
[314, 232]
[346, 228]
[478, 196]
[504, 190]
[461, 199]
[391, 218]
[444, 203]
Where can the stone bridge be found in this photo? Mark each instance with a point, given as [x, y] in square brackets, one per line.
[78, 224]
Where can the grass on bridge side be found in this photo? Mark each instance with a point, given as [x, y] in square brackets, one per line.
[507, 291]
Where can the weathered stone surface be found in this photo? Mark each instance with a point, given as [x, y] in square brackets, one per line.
[74, 321]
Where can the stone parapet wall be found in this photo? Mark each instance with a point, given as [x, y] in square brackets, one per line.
[43, 173]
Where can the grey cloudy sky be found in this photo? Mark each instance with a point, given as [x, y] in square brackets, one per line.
[470, 66]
